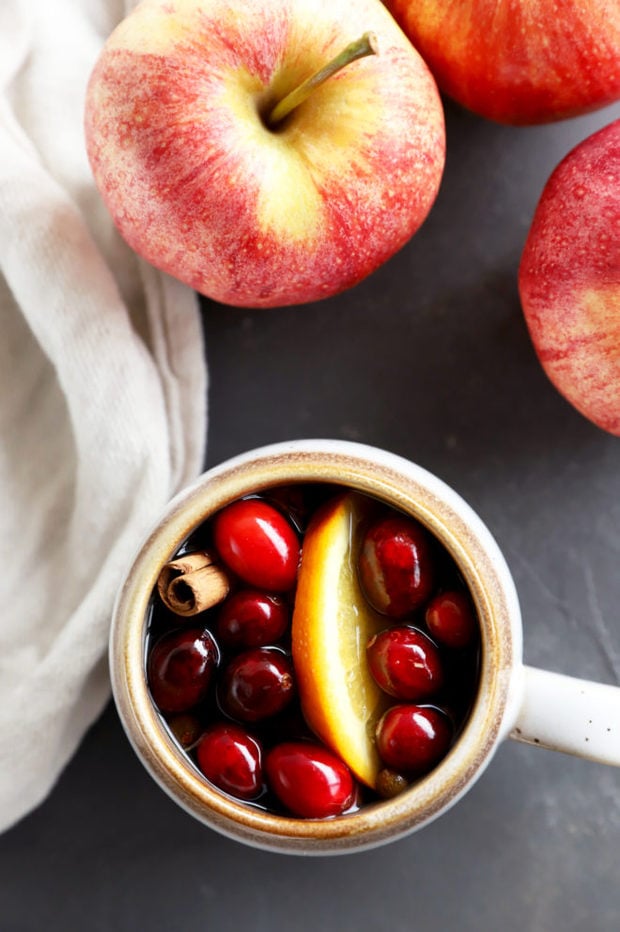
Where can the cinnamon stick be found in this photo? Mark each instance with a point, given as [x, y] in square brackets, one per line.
[192, 583]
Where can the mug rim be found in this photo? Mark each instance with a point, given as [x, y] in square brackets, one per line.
[401, 484]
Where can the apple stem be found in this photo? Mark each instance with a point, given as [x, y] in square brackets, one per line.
[365, 45]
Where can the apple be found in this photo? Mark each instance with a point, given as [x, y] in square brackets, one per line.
[519, 61]
[569, 278]
[249, 208]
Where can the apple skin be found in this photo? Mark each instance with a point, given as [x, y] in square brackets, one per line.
[519, 61]
[246, 215]
[569, 278]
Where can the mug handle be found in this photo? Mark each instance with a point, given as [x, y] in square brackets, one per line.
[566, 714]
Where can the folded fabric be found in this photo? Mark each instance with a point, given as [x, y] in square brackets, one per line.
[102, 397]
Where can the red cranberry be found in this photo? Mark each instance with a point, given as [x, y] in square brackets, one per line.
[180, 669]
[257, 684]
[232, 760]
[292, 501]
[258, 544]
[450, 618]
[396, 566]
[413, 738]
[405, 663]
[250, 618]
[310, 780]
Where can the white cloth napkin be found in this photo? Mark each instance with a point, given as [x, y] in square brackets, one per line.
[102, 397]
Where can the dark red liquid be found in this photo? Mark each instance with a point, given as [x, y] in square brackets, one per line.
[460, 667]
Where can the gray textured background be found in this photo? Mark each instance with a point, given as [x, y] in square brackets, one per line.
[429, 358]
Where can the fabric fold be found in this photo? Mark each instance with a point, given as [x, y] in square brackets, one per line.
[102, 397]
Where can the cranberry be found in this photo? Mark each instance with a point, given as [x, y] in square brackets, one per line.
[450, 618]
[310, 780]
[413, 738]
[405, 663]
[232, 760]
[258, 544]
[292, 501]
[250, 618]
[257, 684]
[180, 669]
[396, 566]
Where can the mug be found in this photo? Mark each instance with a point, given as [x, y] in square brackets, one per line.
[513, 700]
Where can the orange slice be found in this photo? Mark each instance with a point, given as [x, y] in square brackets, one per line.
[332, 623]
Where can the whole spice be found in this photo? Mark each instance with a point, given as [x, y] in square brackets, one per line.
[192, 583]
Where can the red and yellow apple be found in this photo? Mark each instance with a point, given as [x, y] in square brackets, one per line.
[203, 187]
[519, 61]
[569, 278]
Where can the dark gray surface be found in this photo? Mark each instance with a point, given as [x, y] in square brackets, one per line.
[429, 358]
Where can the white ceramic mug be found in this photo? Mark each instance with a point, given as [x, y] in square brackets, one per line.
[513, 700]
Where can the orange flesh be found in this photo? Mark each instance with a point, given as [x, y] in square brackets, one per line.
[332, 623]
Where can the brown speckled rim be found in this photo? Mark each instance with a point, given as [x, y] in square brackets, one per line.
[402, 485]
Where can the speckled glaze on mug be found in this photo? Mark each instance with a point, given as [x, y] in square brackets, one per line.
[530, 705]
